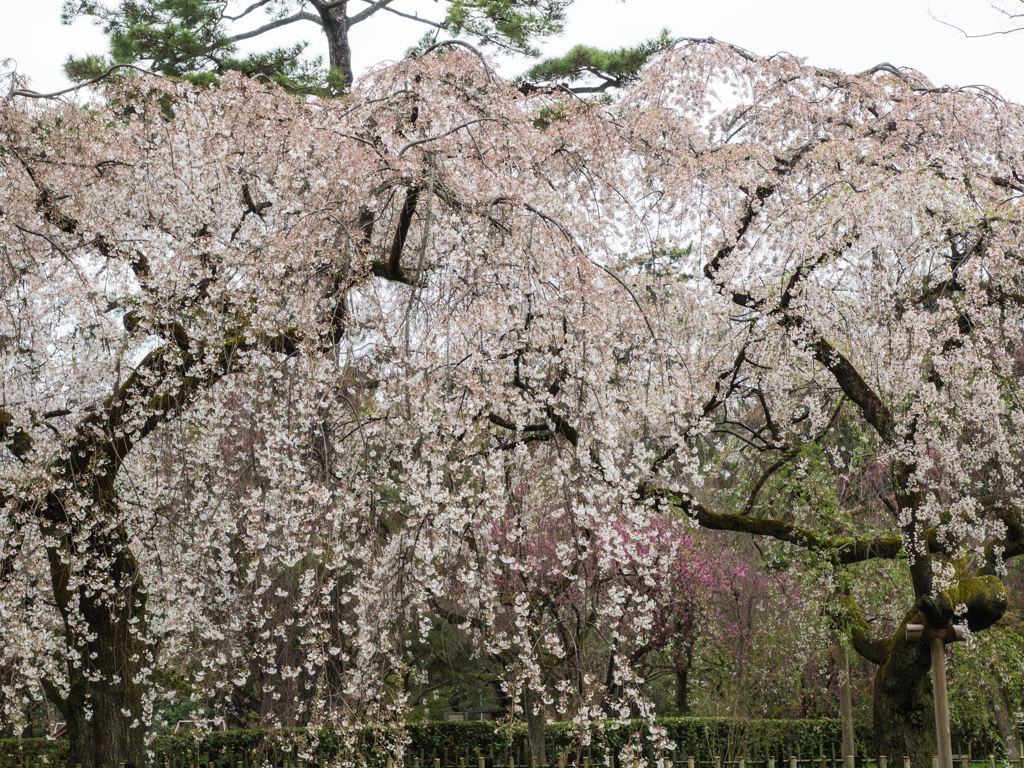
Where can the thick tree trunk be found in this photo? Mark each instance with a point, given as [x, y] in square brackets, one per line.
[100, 733]
[683, 684]
[904, 709]
[535, 726]
[104, 629]
[336, 27]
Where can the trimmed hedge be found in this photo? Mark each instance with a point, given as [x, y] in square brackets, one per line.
[703, 738]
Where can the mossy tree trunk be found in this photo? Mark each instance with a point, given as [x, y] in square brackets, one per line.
[903, 703]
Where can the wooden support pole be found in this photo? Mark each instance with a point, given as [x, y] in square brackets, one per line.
[937, 637]
[845, 706]
[941, 703]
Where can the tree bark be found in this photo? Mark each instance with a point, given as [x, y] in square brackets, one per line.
[104, 630]
[99, 733]
[903, 704]
[904, 707]
[683, 684]
[534, 725]
[336, 27]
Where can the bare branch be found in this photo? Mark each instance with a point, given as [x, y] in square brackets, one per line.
[258, 4]
[413, 17]
[300, 16]
[368, 12]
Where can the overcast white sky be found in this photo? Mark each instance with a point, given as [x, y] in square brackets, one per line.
[851, 35]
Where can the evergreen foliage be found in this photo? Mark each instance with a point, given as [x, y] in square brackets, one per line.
[612, 69]
[193, 39]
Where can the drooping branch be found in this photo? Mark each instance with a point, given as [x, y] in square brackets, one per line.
[55, 697]
[846, 375]
[843, 550]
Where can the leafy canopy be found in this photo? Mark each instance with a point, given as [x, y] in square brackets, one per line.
[195, 40]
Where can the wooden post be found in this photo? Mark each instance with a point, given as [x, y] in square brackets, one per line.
[792, 761]
[881, 761]
[845, 705]
[941, 703]
[906, 762]
[937, 637]
[689, 761]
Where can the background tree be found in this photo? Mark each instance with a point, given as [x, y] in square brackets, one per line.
[1009, 16]
[193, 39]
